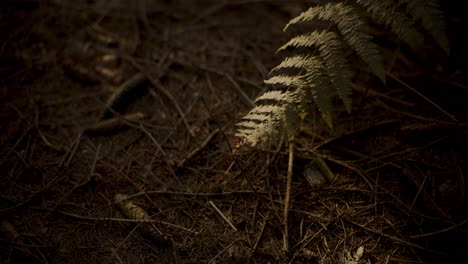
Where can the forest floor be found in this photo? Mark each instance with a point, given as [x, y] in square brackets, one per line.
[112, 111]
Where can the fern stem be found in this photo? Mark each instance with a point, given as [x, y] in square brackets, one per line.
[287, 198]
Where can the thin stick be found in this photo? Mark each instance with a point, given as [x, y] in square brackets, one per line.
[222, 215]
[16, 144]
[422, 96]
[236, 85]
[131, 181]
[199, 148]
[142, 128]
[213, 260]
[112, 124]
[119, 98]
[212, 70]
[287, 198]
[442, 230]
[430, 203]
[192, 194]
[396, 239]
[167, 93]
[259, 237]
[125, 220]
[240, 91]
[73, 150]
[84, 182]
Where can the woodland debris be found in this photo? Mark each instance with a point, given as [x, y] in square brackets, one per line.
[428, 201]
[113, 124]
[8, 231]
[287, 198]
[109, 60]
[323, 167]
[222, 215]
[124, 94]
[194, 152]
[133, 211]
[80, 72]
[100, 35]
[160, 87]
[113, 76]
[313, 176]
[355, 257]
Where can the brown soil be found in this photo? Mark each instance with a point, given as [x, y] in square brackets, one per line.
[400, 161]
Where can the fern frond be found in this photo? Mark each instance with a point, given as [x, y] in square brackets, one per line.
[285, 80]
[431, 18]
[387, 12]
[310, 39]
[333, 55]
[322, 68]
[352, 27]
[267, 109]
[266, 130]
[265, 124]
[271, 95]
[315, 81]
[298, 61]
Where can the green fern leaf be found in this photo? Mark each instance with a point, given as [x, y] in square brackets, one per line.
[352, 27]
[264, 124]
[333, 55]
[387, 12]
[315, 82]
[285, 80]
[274, 95]
[429, 14]
[321, 90]
[298, 61]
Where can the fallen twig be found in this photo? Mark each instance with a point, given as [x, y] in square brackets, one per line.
[222, 215]
[199, 148]
[244, 96]
[287, 198]
[422, 96]
[142, 128]
[442, 230]
[125, 220]
[193, 194]
[158, 85]
[213, 260]
[396, 239]
[121, 96]
[84, 182]
[71, 153]
[115, 123]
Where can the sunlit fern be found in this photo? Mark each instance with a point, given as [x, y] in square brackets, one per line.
[322, 68]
